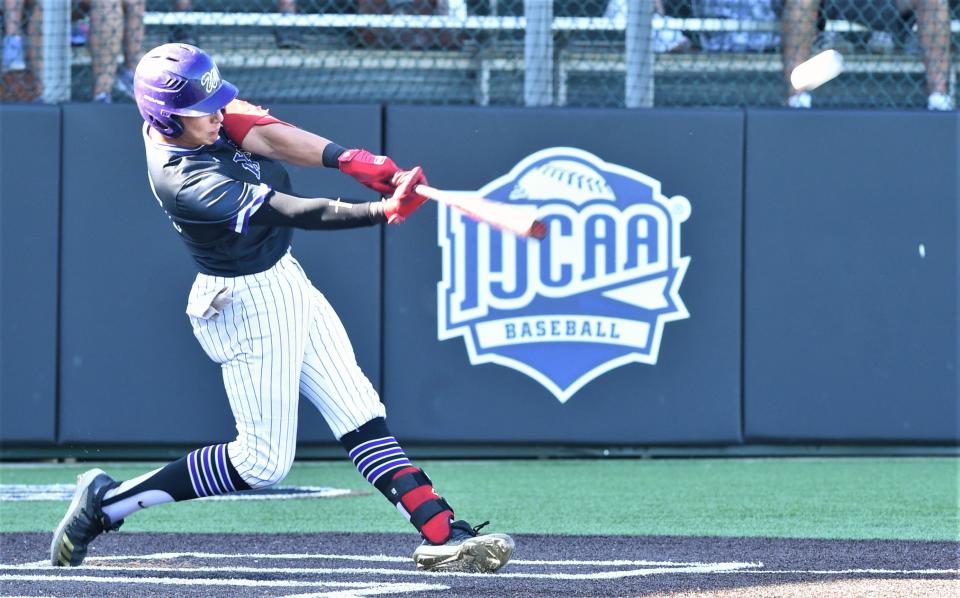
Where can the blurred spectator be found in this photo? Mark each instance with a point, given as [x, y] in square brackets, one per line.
[413, 39]
[14, 48]
[79, 28]
[22, 49]
[186, 34]
[737, 41]
[664, 40]
[933, 27]
[114, 23]
[286, 37]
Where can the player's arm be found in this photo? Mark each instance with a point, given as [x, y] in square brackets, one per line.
[212, 198]
[281, 141]
[256, 131]
[317, 213]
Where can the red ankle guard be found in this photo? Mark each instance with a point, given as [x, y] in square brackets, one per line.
[429, 513]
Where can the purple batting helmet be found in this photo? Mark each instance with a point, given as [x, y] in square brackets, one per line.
[178, 80]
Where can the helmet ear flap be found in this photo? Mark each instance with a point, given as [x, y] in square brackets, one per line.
[176, 126]
[171, 126]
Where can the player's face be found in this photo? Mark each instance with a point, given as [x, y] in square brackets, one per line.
[200, 130]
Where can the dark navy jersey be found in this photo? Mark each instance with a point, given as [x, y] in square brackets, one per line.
[210, 193]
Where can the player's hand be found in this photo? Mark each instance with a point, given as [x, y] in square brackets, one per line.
[376, 172]
[405, 200]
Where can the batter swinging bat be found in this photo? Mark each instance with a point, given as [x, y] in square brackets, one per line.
[519, 220]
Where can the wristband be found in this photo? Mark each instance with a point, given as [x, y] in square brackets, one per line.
[331, 153]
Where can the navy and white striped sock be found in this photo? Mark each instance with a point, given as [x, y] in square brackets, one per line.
[375, 453]
[204, 472]
[210, 471]
[380, 459]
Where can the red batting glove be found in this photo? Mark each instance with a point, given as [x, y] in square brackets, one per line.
[405, 200]
[376, 172]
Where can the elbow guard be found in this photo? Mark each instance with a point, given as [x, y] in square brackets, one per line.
[240, 116]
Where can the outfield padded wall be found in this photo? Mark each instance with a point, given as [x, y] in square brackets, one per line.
[845, 333]
[29, 222]
[851, 272]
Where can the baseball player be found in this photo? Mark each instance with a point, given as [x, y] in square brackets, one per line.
[214, 164]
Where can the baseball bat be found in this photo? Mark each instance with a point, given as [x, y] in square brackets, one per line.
[517, 220]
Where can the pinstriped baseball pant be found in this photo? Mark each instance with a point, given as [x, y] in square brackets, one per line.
[279, 338]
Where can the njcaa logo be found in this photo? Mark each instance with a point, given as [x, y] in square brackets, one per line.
[592, 296]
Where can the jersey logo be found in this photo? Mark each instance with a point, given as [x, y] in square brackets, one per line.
[593, 296]
[243, 159]
[210, 80]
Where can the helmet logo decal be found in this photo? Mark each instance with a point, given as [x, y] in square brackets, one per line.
[210, 80]
[593, 296]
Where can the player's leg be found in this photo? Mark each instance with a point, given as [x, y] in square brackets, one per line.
[799, 28]
[933, 31]
[13, 53]
[106, 34]
[259, 340]
[101, 503]
[133, 33]
[35, 49]
[262, 330]
[334, 383]
[448, 544]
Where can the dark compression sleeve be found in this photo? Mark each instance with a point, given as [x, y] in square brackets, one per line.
[317, 212]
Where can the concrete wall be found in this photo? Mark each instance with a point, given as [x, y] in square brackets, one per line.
[851, 276]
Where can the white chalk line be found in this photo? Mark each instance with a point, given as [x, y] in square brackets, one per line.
[366, 558]
[719, 568]
[400, 588]
[855, 571]
[360, 588]
[619, 574]
[250, 555]
[63, 492]
[355, 587]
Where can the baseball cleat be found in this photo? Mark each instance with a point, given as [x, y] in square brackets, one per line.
[465, 551]
[84, 520]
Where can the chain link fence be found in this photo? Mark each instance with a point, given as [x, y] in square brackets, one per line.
[600, 53]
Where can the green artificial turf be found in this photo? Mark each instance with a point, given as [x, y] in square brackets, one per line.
[884, 498]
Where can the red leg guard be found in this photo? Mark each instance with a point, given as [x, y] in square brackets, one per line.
[437, 529]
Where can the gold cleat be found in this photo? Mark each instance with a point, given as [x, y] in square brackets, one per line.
[465, 551]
